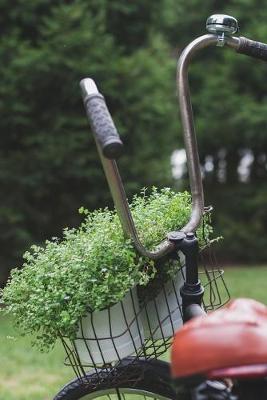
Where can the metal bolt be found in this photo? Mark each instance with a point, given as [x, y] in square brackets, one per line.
[176, 236]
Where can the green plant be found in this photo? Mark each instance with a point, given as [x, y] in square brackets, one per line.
[92, 267]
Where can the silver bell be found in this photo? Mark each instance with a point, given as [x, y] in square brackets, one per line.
[222, 24]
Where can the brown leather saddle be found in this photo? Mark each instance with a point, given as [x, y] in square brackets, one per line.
[228, 342]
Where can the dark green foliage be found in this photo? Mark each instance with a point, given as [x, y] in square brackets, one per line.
[48, 161]
[49, 165]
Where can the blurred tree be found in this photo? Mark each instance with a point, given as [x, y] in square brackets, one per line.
[48, 161]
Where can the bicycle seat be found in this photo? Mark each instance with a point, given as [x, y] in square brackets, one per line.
[234, 336]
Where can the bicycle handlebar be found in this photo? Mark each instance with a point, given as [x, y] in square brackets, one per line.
[252, 48]
[101, 121]
[105, 132]
[90, 91]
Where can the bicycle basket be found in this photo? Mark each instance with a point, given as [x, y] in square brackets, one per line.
[142, 324]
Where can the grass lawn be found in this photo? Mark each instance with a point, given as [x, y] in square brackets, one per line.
[247, 282]
[25, 374]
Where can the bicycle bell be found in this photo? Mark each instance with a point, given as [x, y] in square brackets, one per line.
[222, 24]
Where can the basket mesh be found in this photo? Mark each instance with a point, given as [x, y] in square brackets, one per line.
[146, 324]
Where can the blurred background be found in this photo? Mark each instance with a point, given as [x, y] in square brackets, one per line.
[48, 161]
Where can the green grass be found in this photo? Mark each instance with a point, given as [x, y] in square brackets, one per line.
[247, 282]
[25, 374]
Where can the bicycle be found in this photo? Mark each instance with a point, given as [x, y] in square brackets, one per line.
[145, 374]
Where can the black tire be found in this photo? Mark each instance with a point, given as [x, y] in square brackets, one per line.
[152, 380]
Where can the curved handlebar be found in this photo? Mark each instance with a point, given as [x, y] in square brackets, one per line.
[89, 90]
[116, 187]
[241, 45]
[189, 130]
[187, 119]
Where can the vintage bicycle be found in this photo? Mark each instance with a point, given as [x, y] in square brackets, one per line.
[222, 355]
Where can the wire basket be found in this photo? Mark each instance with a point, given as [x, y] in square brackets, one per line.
[140, 325]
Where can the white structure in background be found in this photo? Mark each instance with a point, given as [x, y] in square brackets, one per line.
[209, 164]
[178, 164]
[243, 169]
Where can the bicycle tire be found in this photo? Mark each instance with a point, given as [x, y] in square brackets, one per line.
[154, 382]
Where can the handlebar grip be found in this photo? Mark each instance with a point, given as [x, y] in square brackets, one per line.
[100, 120]
[252, 48]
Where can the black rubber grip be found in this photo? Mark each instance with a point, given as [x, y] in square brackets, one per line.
[103, 126]
[252, 48]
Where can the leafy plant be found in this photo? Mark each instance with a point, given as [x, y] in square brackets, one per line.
[92, 267]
